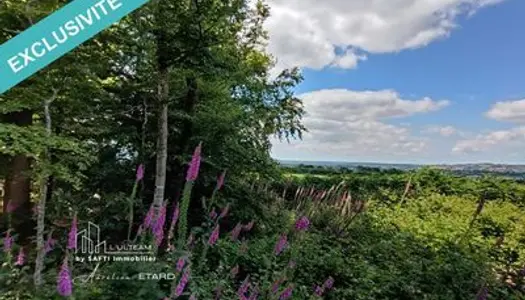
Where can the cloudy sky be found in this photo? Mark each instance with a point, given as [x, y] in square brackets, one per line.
[421, 81]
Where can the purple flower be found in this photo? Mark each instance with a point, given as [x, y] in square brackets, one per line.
[241, 292]
[158, 227]
[281, 244]
[302, 224]
[328, 283]
[220, 180]
[214, 236]
[236, 231]
[49, 245]
[182, 283]
[64, 284]
[218, 292]
[72, 237]
[180, 264]
[148, 219]
[482, 294]
[8, 242]
[286, 294]
[191, 240]
[225, 211]
[318, 291]
[213, 214]
[140, 172]
[276, 284]
[192, 297]
[20, 258]
[248, 226]
[254, 295]
[174, 219]
[193, 170]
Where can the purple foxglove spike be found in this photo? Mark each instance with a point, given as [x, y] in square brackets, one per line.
[64, 283]
[8, 242]
[72, 237]
[220, 180]
[20, 259]
[328, 283]
[318, 291]
[193, 169]
[248, 226]
[225, 211]
[236, 231]
[286, 294]
[180, 264]
[182, 283]
[214, 236]
[140, 172]
[302, 224]
[281, 244]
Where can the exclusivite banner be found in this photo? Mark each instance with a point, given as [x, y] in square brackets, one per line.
[56, 35]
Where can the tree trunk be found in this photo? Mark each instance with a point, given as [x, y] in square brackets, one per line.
[18, 184]
[41, 206]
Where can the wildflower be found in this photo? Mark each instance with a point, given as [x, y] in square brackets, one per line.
[328, 283]
[158, 228]
[193, 169]
[72, 237]
[286, 294]
[20, 258]
[482, 294]
[148, 219]
[302, 224]
[140, 172]
[214, 236]
[220, 180]
[234, 271]
[213, 214]
[64, 284]
[244, 287]
[254, 295]
[192, 297]
[174, 219]
[182, 283]
[49, 245]
[191, 240]
[318, 291]
[248, 226]
[8, 242]
[218, 292]
[281, 244]
[276, 284]
[224, 211]
[236, 231]
[180, 264]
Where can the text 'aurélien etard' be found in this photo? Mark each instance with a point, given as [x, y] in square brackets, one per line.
[59, 36]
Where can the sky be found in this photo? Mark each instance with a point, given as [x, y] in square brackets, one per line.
[404, 81]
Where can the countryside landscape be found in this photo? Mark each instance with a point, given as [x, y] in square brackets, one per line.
[273, 150]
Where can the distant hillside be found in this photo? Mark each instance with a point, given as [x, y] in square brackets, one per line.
[471, 169]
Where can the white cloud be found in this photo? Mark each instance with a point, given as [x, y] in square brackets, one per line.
[511, 111]
[514, 137]
[353, 123]
[445, 131]
[306, 33]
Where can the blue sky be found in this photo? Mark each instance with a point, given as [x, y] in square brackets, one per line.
[422, 91]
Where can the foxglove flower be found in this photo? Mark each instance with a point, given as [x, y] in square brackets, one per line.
[64, 284]
[318, 291]
[193, 170]
[148, 219]
[191, 240]
[182, 283]
[302, 224]
[328, 283]
[20, 258]
[281, 244]
[49, 245]
[220, 180]
[241, 292]
[140, 172]
[158, 228]
[225, 211]
[214, 236]
[213, 214]
[174, 219]
[248, 226]
[236, 231]
[8, 242]
[180, 264]
[275, 285]
[72, 237]
[286, 294]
